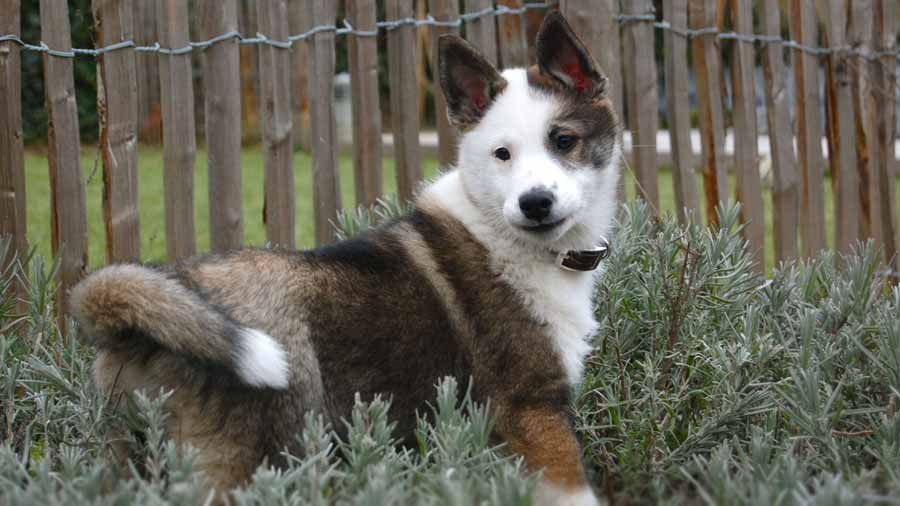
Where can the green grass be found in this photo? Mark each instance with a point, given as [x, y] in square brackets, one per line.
[150, 163]
[667, 205]
[150, 188]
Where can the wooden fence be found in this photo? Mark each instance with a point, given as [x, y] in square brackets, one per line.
[715, 41]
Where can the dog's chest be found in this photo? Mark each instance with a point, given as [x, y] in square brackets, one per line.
[564, 302]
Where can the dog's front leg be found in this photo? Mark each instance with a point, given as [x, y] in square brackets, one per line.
[544, 437]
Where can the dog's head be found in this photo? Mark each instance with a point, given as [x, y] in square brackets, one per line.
[538, 147]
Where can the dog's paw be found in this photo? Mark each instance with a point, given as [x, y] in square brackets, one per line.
[547, 495]
[583, 497]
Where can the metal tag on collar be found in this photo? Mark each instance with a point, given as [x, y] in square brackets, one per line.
[585, 259]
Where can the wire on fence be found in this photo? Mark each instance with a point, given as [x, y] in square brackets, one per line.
[502, 10]
[260, 38]
[689, 33]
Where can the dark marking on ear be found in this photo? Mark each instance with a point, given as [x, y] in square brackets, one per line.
[573, 70]
[566, 70]
[469, 82]
[562, 56]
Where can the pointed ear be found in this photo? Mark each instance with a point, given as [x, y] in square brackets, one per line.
[562, 55]
[469, 82]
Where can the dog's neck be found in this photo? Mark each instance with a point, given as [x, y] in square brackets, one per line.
[559, 297]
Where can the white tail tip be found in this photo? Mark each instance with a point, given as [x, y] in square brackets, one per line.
[262, 362]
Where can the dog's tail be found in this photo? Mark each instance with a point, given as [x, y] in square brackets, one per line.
[130, 308]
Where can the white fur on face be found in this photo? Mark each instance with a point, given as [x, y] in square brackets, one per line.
[520, 120]
[477, 194]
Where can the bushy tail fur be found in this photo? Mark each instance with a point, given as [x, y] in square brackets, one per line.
[120, 305]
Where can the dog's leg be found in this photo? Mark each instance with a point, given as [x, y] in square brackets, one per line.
[544, 437]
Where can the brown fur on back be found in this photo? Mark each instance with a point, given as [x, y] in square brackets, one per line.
[388, 313]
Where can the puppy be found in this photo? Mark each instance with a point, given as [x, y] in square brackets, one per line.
[489, 277]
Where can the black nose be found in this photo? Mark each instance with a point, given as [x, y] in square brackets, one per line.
[536, 204]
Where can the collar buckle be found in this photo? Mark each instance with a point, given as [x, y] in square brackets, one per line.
[585, 259]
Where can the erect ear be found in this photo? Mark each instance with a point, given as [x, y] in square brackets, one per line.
[561, 55]
[469, 82]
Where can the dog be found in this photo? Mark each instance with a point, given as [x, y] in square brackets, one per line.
[489, 277]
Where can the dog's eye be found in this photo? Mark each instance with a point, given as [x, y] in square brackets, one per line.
[502, 154]
[565, 142]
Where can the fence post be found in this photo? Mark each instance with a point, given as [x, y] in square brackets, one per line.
[640, 78]
[146, 33]
[446, 11]
[12, 161]
[884, 86]
[179, 144]
[402, 58]
[482, 31]
[705, 50]
[513, 36]
[300, 22]
[678, 110]
[746, 148]
[248, 25]
[785, 191]
[222, 95]
[117, 109]
[859, 37]
[367, 141]
[809, 129]
[68, 214]
[275, 101]
[841, 129]
[326, 185]
[595, 23]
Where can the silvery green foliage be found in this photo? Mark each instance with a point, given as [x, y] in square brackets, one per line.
[708, 384]
[353, 221]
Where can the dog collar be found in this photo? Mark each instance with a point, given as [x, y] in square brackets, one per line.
[583, 260]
